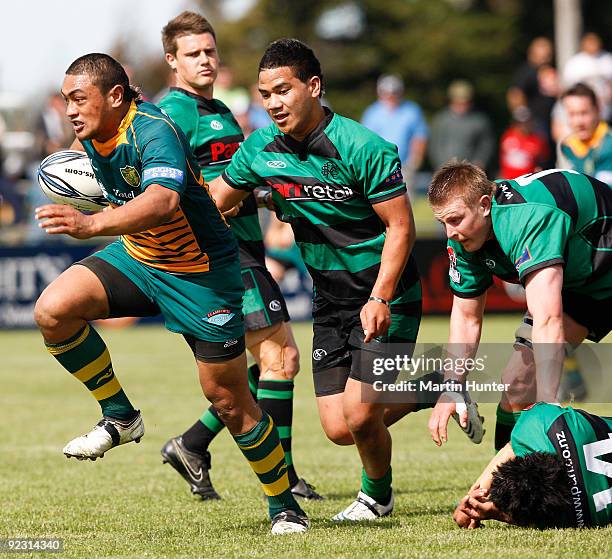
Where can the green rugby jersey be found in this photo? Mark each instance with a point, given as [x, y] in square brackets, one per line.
[584, 442]
[539, 220]
[147, 149]
[214, 136]
[325, 187]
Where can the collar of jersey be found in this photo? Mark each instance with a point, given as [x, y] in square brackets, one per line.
[580, 148]
[195, 96]
[106, 148]
[309, 143]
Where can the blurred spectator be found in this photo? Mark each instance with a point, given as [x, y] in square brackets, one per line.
[525, 88]
[461, 132]
[522, 149]
[53, 133]
[53, 130]
[11, 201]
[559, 127]
[258, 117]
[236, 98]
[535, 85]
[593, 67]
[588, 148]
[398, 121]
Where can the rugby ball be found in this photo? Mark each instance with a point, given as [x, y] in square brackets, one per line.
[66, 177]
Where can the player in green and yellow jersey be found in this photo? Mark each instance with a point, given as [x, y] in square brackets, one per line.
[176, 256]
[214, 136]
[551, 231]
[552, 474]
[588, 148]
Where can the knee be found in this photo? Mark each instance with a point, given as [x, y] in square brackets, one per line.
[48, 311]
[276, 353]
[360, 424]
[291, 358]
[225, 406]
[338, 433]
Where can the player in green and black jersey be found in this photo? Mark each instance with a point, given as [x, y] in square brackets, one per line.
[176, 256]
[553, 473]
[552, 232]
[214, 136]
[340, 187]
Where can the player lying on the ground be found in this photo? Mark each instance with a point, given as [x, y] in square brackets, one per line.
[552, 474]
[176, 256]
[552, 231]
[214, 135]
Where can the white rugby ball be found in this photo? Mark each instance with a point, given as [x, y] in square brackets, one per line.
[66, 177]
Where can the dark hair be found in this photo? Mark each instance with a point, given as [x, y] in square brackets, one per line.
[186, 23]
[534, 490]
[295, 55]
[581, 90]
[458, 178]
[105, 73]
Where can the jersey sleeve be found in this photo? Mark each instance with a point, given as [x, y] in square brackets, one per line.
[163, 156]
[533, 237]
[530, 434]
[239, 173]
[468, 277]
[378, 171]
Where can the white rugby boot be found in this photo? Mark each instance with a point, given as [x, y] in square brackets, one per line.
[289, 522]
[364, 508]
[108, 433]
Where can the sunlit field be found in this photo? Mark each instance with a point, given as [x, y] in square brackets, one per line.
[130, 505]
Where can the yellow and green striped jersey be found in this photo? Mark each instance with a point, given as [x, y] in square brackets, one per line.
[149, 148]
[214, 136]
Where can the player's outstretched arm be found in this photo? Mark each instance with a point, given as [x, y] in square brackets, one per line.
[225, 196]
[486, 477]
[156, 205]
[475, 506]
[463, 339]
[544, 301]
[397, 216]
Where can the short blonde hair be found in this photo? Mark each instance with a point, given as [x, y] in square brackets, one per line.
[458, 178]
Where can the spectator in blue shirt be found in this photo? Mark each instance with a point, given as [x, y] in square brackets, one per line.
[398, 121]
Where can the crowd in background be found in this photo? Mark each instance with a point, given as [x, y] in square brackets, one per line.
[557, 118]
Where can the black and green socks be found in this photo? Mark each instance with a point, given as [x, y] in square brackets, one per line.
[261, 447]
[275, 397]
[86, 357]
[199, 436]
[505, 422]
[379, 489]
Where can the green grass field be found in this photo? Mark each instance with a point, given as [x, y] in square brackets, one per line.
[129, 505]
